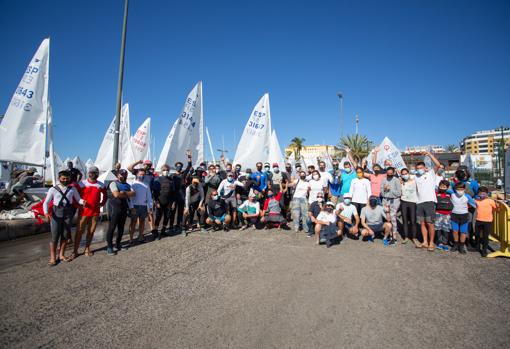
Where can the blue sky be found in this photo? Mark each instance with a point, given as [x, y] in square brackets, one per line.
[419, 72]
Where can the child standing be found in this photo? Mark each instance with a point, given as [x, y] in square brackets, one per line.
[485, 208]
[460, 216]
[444, 208]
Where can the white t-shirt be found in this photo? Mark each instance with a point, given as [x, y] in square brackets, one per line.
[301, 189]
[360, 190]
[327, 217]
[315, 188]
[326, 178]
[426, 185]
[348, 211]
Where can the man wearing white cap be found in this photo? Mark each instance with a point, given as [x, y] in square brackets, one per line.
[325, 226]
[347, 217]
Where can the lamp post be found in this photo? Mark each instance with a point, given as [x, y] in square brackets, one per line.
[341, 97]
[357, 123]
[119, 87]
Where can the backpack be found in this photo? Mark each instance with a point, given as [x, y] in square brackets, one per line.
[444, 203]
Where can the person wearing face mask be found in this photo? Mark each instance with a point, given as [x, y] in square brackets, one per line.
[347, 176]
[408, 202]
[485, 208]
[227, 190]
[181, 178]
[299, 202]
[142, 206]
[211, 182]
[149, 181]
[249, 212]
[194, 204]
[287, 197]
[260, 176]
[391, 191]
[93, 192]
[278, 179]
[119, 201]
[335, 183]
[237, 171]
[440, 175]
[376, 179]
[217, 214]
[272, 212]
[348, 217]
[316, 186]
[444, 208]
[325, 227]
[460, 217]
[76, 175]
[65, 199]
[360, 190]
[269, 174]
[462, 175]
[313, 211]
[326, 177]
[165, 195]
[373, 218]
[425, 207]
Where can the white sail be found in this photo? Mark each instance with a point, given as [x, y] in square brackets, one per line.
[104, 156]
[388, 151]
[275, 152]
[77, 163]
[186, 133]
[23, 129]
[140, 142]
[255, 141]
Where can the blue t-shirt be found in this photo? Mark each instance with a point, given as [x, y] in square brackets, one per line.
[263, 180]
[335, 187]
[347, 178]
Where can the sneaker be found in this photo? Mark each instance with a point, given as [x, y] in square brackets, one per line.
[385, 242]
[203, 231]
[370, 239]
[392, 242]
[225, 227]
[322, 240]
[284, 227]
[109, 251]
[119, 248]
[329, 243]
[296, 229]
[443, 247]
[309, 235]
[405, 241]
[455, 248]
[462, 249]
[243, 227]
[484, 253]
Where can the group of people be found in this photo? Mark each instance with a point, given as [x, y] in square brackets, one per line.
[327, 203]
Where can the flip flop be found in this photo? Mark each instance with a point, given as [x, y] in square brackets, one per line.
[52, 263]
[65, 259]
[88, 253]
[431, 249]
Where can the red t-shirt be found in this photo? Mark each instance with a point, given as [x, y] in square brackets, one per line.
[91, 193]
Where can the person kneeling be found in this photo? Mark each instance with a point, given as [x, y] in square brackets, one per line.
[249, 211]
[272, 213]
[348, 217]
[325, 226]
[217, 215]
[372, 221]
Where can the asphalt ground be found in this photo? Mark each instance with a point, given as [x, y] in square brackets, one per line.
[252, 289]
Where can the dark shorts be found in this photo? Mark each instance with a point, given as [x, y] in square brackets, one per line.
[376, 228]
[460, 222]
[426, 212]
[140, 212]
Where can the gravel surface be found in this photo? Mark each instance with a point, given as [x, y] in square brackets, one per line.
[256, 289]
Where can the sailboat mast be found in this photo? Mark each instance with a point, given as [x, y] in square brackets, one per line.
[47, 109]
[210, 144]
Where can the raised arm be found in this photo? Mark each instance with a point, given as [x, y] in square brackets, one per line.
[131, 168]
[436, 162]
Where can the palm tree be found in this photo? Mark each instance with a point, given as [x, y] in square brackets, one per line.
[360, 145]
[452, 148]
[296, 144]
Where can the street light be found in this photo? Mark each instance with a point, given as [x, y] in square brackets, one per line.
[341, 97]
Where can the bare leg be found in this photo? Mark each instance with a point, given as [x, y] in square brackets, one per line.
[424, 233]
[432, 233]
[53, 252]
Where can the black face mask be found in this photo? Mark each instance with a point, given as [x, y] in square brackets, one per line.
[178, 167]
[259, 169]
[373, 203]
[389, 176]
[303, 177]
[238, 169]
[377, 171]
[288, 169]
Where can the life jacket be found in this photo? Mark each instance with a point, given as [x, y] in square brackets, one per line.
[444, 203]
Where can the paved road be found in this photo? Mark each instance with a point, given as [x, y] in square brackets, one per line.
[253, 289]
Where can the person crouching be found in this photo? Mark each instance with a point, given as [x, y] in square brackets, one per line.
[272, 212]
[217, 215]
[325, 225]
